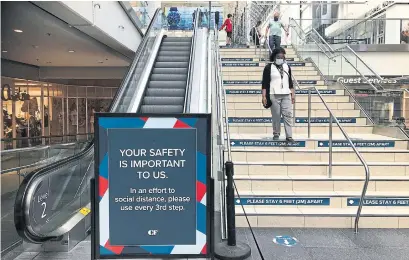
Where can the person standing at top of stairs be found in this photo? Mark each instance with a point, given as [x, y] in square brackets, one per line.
[229, 29]
[278, 93]
[273, 31]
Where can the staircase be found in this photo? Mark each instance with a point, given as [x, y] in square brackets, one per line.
[289, 186]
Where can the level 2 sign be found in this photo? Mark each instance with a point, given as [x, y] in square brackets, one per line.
[379, 202]
[285, 241]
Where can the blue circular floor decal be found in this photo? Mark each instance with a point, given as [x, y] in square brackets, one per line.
[285, 240]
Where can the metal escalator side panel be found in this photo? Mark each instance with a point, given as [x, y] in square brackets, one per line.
[137, 98]
[198, 101]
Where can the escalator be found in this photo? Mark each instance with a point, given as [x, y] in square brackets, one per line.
[49, 200]
[167, 84]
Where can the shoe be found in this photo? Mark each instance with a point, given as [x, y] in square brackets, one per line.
[276, 136]
[290, 140]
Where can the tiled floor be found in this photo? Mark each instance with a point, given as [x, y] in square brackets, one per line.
[313, 244]
[329, 244]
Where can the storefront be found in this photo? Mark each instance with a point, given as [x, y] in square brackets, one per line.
[33, 109]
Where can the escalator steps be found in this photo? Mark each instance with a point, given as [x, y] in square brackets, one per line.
[167, 83]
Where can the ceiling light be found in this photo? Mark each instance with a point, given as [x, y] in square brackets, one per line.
[18, 30]
[71, 51]
[100, 61]
[4, 51]
[35, 46]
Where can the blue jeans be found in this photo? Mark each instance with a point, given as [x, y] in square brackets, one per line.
[274, 41]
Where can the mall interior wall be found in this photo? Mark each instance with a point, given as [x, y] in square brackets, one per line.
[106, 21]
[393, 27]
[383, 63]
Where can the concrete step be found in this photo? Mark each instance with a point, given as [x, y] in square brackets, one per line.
[298, 113]
[262, 64]
[258, 67]
[320, 168]
[252, 51]
[324, 218]
[299, 99]
[373, 155]
[256, 90]
[298, 129]
[301, 103]
[299, 78]
[251, 57]
[316, 142]
[304, 83]
[299, 121]
[260, 73]
[247, 184]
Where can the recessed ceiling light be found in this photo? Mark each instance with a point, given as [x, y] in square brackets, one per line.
[71, 51]
[35, 46]
[18, 30]
[4, 51]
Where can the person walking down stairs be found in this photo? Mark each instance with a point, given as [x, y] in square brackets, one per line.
[273, 32]
[278, 93]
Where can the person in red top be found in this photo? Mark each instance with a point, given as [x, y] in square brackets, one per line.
[229, 29]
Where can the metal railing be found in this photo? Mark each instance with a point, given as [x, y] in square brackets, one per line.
[333, 54]
[330, 139]
[38, 141]
[221, 112]
[191, 59]
[356, 102]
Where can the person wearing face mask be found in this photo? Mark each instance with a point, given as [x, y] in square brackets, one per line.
[278, 93]
[273, 30]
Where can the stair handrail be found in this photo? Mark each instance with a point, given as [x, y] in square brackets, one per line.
[358, 154]
[189, 80]
[351, 50]
[220, 93]
[347, 90]
[343, 56]
[342, 84]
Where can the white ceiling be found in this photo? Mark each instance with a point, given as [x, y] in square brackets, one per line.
[46, 40]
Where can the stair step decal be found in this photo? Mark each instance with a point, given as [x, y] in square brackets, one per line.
[390, 202]
[250, 59]
[373, 144]
[301, 120]
[254, 64]
[258, 82]
[283, 201]
[298, 92]
[246, 47]
[249, 142]
[249, 120]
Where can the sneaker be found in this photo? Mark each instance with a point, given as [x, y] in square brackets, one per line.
[290, 140]
[276, 136]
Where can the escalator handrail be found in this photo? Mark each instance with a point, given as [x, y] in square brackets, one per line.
[21, 196]
[191, 59]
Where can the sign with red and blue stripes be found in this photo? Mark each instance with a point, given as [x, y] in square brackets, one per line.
[152, 186]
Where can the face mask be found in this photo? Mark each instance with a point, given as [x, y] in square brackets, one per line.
[279, 61]
[276, 19]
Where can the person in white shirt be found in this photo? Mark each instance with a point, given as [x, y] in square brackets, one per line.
[278, 93]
